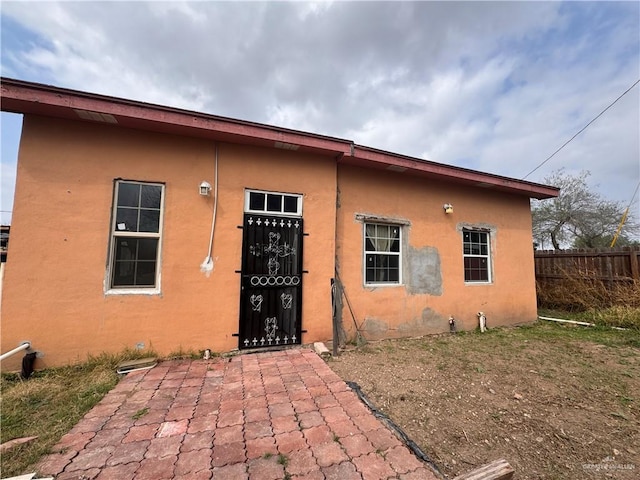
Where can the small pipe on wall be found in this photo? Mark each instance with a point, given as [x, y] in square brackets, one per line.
[207, 266]
[23, 346]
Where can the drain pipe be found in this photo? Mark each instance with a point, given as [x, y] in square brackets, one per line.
[23, 346]
[207, 266]
[574, 322]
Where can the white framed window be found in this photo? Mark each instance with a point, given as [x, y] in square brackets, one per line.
[136, 237]
[476, 253]
[274, 203]
[382, 254]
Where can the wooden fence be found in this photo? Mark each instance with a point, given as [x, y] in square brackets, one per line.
[610, 265]
[4, 242]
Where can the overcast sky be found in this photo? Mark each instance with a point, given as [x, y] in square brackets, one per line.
[496, 87]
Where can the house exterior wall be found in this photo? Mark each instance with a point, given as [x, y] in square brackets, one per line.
[54, 293]
[433, 286]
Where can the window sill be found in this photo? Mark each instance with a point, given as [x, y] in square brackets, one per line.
[383, 285]
[133, 291]
[274, 214]
[478, 283]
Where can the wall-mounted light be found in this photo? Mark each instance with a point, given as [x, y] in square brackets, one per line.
[448, 208]
[205, 188]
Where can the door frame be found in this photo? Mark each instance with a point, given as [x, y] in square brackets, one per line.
[265, 286]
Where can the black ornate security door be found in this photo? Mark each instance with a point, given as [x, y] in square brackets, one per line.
[271, 298]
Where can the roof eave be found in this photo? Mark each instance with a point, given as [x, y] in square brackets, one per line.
[19, 96]
[30, 98]
[373, 158]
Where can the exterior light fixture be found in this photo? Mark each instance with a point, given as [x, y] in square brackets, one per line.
[448, 208]
[205, 188]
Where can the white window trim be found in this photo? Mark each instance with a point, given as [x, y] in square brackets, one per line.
[489, 256]
[368, 221]
[136, 291]
[281, 213]
[142, 290]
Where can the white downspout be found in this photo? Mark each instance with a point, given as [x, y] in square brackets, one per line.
[23, 346]
[207, 265]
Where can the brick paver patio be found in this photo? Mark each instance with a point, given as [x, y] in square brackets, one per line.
[264, 416]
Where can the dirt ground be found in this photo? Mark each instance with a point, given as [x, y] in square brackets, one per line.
[555, 402]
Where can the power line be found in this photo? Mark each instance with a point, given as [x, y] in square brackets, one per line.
[582, 129]
[634, 195]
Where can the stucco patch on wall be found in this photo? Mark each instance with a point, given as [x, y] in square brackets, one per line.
[423, 272]
[430, 322]
[375, 328]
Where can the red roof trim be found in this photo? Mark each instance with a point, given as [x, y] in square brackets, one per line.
[26, 97]
[397, 162]
[34, 98]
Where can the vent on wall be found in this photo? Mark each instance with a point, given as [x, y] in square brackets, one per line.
[95, 116]
[396, 168]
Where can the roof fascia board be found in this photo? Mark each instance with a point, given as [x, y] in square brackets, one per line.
[480, 179]
[26, 97]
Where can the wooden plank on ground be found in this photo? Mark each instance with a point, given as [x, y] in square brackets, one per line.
[134, 365]
[6, 446]
[498, 470]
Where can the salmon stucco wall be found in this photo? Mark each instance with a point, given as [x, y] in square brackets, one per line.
[54, 290]
[433, 286]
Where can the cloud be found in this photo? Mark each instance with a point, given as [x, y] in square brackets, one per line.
[11, 126]
[495, 86]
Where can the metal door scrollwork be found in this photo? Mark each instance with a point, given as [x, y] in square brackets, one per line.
[270, 310]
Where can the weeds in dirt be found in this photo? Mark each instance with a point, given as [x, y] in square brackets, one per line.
[181, 353]
[547, 397]
[51, 402]
[140, 413]
[626, 401]
[283, 460]
[616, 316]
[582, 293]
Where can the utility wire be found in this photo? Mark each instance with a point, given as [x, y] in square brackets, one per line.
[634, 195]
[582, 129]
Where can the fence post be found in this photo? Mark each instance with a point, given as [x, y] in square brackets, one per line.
[633, 258]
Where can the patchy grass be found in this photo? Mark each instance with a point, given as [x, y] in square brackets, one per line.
[548, 398]
[190, 354]
[617, 316]
[50, 403]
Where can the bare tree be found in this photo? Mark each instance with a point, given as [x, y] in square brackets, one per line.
[579, 216]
